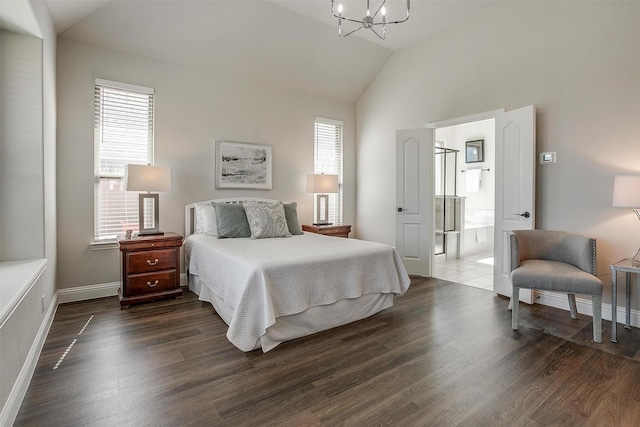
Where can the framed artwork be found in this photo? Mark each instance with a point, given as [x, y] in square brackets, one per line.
[474, 151]
[242, 165]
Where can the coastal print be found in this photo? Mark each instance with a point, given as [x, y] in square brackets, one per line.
[243, 165]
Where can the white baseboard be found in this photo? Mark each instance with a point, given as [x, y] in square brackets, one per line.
[82, 293]
[559, 300]
[19, 390]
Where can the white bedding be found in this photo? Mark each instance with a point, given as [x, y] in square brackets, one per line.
[264, 279]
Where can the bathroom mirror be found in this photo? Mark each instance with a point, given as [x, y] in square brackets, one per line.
[474, 152]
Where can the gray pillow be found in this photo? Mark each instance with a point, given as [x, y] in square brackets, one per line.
[291, 213]
[232, 220]
[266, 220]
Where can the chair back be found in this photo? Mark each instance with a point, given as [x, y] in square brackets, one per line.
[570, 248]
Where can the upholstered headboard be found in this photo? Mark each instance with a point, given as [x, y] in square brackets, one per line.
[190, 220]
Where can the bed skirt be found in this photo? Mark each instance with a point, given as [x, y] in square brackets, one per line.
[310, 321]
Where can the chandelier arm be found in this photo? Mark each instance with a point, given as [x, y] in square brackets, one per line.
[376, 33]
[393, 22]
[379, 7]
[350, 32]
[348, 19]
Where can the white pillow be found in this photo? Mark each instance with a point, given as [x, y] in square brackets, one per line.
[266, 220]
[206, 219]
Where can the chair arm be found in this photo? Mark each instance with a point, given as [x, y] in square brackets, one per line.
[514, 250]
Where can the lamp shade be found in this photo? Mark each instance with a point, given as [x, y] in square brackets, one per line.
[626, 191]
[321, 183]
[147, 178]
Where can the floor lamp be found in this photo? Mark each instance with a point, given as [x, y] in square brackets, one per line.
[148, 178]
[322, 184]
[626, 194]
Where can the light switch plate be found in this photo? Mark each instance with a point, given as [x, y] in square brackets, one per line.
[548, 157]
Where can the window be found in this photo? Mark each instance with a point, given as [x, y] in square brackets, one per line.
[123, 134]
[328, 159]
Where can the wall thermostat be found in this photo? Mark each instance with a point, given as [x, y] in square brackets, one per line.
[548, 157]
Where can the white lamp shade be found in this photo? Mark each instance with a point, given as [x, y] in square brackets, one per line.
[626, 191]
[322, 183]
[147, 178]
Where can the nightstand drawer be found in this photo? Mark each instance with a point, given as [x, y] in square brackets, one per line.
[149, 283]
[156, 260]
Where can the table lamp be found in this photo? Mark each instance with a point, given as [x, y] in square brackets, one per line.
[626, 194]
[148, 178]
[321, 184]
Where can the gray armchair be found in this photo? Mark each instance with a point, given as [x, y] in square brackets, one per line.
[555, 261]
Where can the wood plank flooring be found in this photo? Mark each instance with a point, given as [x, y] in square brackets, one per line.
[443, 355]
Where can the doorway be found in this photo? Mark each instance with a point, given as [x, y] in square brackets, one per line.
[465, 198]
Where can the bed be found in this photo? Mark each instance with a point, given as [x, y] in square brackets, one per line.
[271, 290]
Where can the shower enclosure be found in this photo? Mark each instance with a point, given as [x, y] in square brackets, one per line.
[448, 206]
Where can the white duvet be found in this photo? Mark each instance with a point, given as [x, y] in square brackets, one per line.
[264, 279]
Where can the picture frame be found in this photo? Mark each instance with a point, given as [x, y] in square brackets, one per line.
[474, 151]
[243, 165]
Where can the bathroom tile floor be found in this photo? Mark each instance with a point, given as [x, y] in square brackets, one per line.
[475, 270]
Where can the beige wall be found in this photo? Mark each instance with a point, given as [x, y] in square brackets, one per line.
[26, 327]
[577, 62]
[193, 108]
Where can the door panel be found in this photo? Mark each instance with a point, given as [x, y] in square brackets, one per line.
[515, 189]
[414, 193]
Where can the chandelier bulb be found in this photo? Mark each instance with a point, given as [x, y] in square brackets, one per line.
[340, 8]
[383, 11]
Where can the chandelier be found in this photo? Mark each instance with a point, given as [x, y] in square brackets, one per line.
[369, 21]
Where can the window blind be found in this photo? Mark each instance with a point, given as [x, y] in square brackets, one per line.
[328, 159]
[123, 134]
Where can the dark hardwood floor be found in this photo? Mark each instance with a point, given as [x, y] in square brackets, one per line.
[443, 355]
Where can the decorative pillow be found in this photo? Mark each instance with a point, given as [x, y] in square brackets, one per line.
[266, 220]
[232, 220]
[291, 214]
[206, 219]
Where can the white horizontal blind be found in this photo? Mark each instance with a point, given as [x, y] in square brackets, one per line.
[328, 159]
[123, 134]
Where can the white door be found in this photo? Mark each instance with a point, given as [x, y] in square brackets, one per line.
[515, 189]
[414, 196]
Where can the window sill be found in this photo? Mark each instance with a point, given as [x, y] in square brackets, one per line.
[18, 277]
[104, 244]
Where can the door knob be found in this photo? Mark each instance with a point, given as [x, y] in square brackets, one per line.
[526, 214]
[400, 209]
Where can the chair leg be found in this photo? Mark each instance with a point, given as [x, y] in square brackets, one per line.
[572, 306]
[515, 302]
[597, 318]
[510, 304]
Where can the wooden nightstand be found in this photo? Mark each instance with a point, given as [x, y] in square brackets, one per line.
[328, 230]
[150, 268]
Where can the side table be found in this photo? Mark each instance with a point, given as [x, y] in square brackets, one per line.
[328, 230]
[629, 267]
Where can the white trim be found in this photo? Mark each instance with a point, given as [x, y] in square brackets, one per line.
[100, 245]
[465, 119]
[329, 121]
[82, 293]
[102, 290]
[25, 272]
[124, 86]
[20, 387]
[559, 300]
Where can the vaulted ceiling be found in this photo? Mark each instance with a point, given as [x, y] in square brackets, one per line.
[283, 42]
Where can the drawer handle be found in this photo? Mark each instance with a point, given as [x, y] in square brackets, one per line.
[152, 263]
[153, 285]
